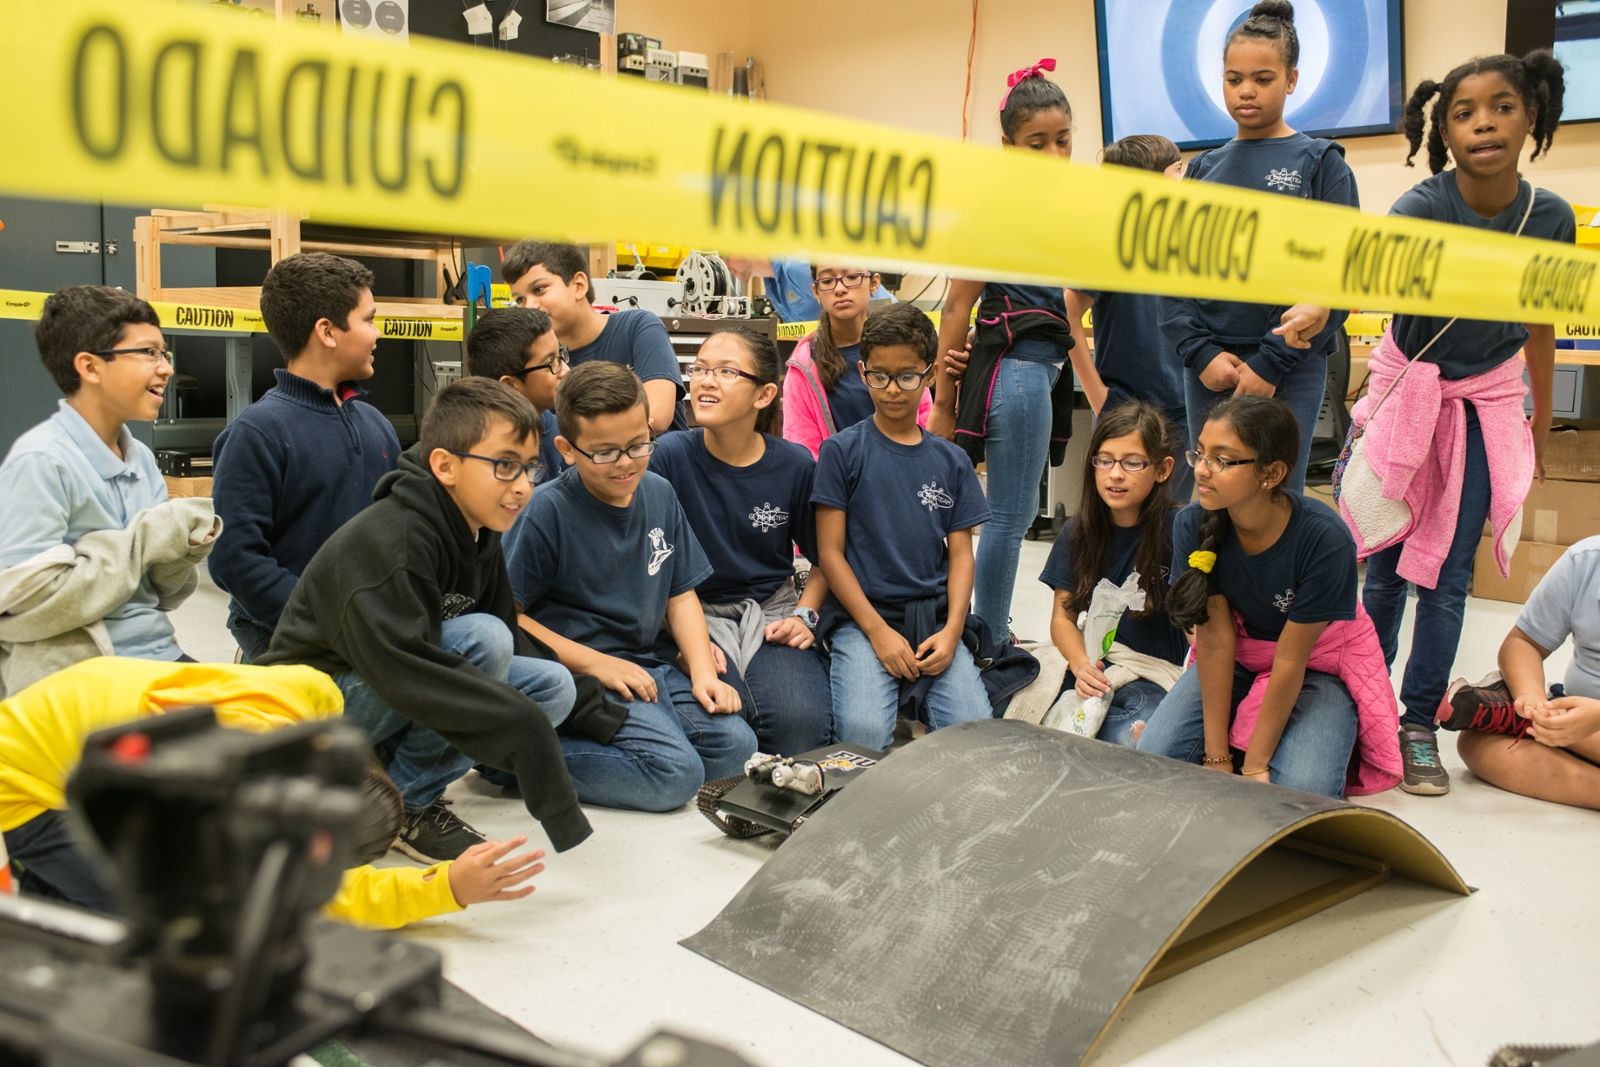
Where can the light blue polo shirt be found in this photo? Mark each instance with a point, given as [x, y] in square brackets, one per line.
[59, 482]
[1566, 603]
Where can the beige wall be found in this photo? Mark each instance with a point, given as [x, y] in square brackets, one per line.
[903, 62]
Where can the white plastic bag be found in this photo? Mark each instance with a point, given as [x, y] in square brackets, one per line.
[1071, 712]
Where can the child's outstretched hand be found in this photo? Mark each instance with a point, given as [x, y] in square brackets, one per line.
[487, 872]
[935, 654]
[1565, 720]
[717, 696]
[894, 652]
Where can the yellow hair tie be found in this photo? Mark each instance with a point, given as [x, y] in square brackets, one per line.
[1203, 561]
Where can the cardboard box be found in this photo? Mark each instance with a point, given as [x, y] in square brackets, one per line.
[177, 487]
[1573, 456]
[1528, 564]
[1561, 513]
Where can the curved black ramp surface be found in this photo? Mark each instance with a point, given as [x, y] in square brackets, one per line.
[995, 892]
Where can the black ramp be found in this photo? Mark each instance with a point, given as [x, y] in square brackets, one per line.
[994, 892]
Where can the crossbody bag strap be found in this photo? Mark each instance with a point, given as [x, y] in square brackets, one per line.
[1527, 212]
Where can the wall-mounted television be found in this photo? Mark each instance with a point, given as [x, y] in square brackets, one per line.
[1161, 67]
[1571, 28]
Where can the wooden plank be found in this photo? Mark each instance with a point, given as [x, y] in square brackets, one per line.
[146, 257]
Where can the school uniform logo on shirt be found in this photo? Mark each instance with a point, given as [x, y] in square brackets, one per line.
[1283, 600]
[768, 517]
[659, 550]
[931, 496]
[1284, 180]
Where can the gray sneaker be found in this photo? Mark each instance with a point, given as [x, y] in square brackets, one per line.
[1424, 774]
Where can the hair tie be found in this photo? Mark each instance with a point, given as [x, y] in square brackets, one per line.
[1203, 561]
[1017, 77]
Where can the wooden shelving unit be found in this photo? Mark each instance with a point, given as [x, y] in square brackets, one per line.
[281, 234]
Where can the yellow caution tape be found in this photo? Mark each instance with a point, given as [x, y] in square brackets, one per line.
[202, 318]
[135, 101]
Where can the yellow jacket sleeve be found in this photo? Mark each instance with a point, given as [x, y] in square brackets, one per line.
[385, 898]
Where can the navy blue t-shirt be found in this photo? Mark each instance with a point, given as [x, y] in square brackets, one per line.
[1296, 165]
[549, 454]
[1132, 354]
[1054, 300]
[1153, 636]
[636, 339]
[1308, 575]
[748, 519]
[850, 400]
[599, 575]
[1473, 346]
[900, 503]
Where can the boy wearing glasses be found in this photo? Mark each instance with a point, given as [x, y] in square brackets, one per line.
[84, 500]
[301, 461]
[895, 512]
[605, 566]
[555, 279]
[518, 346]
[408, 607]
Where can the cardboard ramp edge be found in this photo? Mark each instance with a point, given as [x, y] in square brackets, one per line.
[1006, 787]
[1373, 844]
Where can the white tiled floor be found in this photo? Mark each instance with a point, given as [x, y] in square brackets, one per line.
[1398, 975]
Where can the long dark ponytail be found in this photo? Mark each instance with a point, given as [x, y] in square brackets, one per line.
[1538, 77]
[1091, 529]
[1266, 427]
[825, 354]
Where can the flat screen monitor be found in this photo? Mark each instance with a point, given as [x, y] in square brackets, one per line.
[1570, 28]
[1161, 67]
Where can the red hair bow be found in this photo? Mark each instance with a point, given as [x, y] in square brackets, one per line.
[1016, 78]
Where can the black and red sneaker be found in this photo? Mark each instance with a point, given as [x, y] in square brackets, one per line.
[1486, 707]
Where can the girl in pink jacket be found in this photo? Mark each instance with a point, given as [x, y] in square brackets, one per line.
[823, 391]
[1452, 440]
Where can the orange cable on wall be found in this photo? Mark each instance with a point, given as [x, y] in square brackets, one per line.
[966, 91]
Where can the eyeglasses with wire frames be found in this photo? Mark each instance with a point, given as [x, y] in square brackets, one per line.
[560, 359]
[1131, 464]
[853, 280]
[725, 375]
[906, 380]
[1214, 464]
[604, 456]
[508, 470]
[152, 354]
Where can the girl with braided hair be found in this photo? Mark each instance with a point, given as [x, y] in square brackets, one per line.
[1453, 432]
[1267, 579]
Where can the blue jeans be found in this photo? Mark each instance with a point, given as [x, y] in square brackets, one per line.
[51, 866]
[1301, 390]
[1183, 439]
[786, 698]
[421, 762]
[1313, 754]
[1016, 448]
[721, 742]
[866, 697]
[1440, 610]
[251, 637]
[1131, 703]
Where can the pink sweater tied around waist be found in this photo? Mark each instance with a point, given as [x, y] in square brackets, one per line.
[1417, 446]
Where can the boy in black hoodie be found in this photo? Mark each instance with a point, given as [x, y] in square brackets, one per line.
[409, 608]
